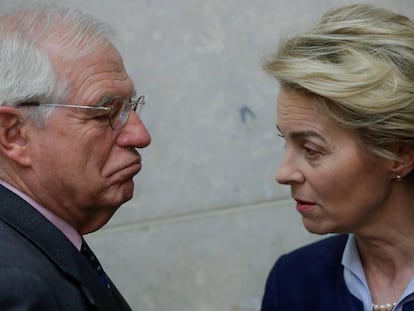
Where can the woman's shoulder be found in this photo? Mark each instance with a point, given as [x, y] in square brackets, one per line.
[310, 261]
[330, 246]
[310, 278]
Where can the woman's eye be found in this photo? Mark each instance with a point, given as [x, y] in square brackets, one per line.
[311, 152]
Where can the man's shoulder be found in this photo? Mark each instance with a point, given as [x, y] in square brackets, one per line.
[30, 278]
[16, 249]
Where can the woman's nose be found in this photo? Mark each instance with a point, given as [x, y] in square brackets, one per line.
[289, 171]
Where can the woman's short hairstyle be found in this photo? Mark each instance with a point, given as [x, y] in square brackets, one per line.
[358, 62]
[27, 37]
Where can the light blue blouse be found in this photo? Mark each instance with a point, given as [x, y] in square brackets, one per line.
[355, 278]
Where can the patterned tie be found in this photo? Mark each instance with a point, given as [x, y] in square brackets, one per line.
[91, 258]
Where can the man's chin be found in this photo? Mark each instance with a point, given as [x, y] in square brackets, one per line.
[118, 192]
[128, 190]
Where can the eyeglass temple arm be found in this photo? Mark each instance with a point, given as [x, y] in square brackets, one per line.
[33, 103]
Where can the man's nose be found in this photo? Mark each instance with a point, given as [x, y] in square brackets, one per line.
[134, 133]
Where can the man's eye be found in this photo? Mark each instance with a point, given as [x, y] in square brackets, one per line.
[94, 113]
[97, 113]
[115, 107]
[101, 115]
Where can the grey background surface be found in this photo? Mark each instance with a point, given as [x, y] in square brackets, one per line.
[207, 220]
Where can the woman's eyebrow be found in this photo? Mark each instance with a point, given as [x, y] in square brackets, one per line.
[300, 135]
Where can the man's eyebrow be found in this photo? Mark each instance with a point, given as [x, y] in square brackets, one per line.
[108, 98]
[301, 134]
[105, 99]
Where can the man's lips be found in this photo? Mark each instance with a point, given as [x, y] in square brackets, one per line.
[133, 167]
[128, 170]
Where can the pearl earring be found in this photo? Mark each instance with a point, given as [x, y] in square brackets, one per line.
[398, 178]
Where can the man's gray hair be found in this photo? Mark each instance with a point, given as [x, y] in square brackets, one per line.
[28, 36]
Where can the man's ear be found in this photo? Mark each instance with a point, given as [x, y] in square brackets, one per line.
[406, 164]
[13, 138]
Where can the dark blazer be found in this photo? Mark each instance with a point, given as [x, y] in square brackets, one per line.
[311, 278]
[40, 269]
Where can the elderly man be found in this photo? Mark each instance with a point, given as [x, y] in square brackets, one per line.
[68, 155]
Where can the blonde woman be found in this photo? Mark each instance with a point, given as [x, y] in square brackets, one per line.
[346, 112]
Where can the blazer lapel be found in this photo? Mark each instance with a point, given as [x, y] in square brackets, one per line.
[409, 306]
[96, 292]
[18, 214]
[344, 300]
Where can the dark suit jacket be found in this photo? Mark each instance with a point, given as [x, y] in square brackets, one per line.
[311, 278]
[40, 269]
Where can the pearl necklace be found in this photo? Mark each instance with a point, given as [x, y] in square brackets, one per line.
[386, 307]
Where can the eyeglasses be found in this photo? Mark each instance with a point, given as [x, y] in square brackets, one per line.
[118, 109]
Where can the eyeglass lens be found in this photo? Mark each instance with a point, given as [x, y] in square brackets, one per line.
[120, 110]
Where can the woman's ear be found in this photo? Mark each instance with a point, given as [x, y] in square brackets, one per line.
[13, 136]
[405, 165]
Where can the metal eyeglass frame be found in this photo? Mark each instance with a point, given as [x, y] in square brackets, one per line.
[121, 116]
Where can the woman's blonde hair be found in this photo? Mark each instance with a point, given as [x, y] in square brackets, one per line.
[359, 62]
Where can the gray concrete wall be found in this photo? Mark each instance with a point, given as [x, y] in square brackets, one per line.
[207, 220]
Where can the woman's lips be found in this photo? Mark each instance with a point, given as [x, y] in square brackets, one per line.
[304, 206]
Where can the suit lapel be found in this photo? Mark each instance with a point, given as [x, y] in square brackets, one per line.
[19, 215]
[409, 306]
[344, 300]
[96, 292]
